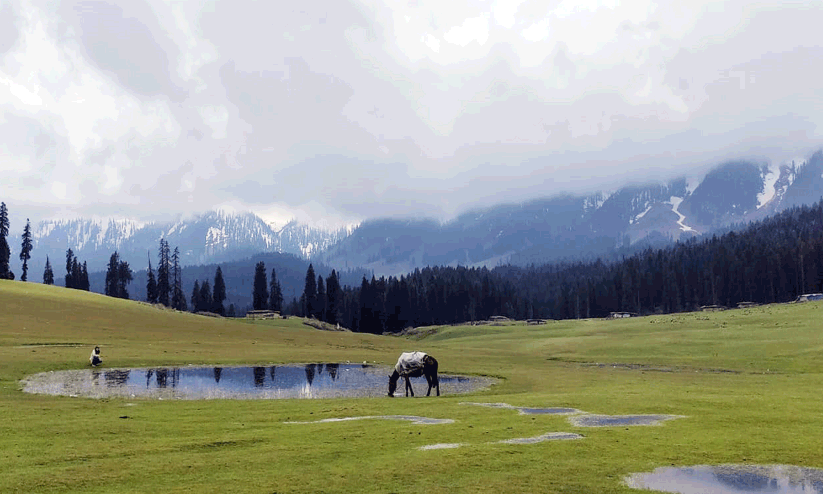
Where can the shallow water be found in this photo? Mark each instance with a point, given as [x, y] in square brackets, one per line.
[591, 420]
[731, 479]
[271, 382]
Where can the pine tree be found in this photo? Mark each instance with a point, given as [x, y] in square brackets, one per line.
[231, 312]
[205, 298]
[69, 273]
[320, 310]
[84, 278]
[48, 274]
[275, 293]
[163, 274]
[151, 285]
[25, 250]
[219, 292]
[195, 297]
[111, 275]
[333, 298]
[5, 251]
[260, 295]
[178, 301]
[310, 292]
[124, 277]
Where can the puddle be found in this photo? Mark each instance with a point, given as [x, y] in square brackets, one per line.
[551, 436]
[272, 382]
[619, 420]
[440, 446]
[529, 410]
[411, 418]
[731, 479]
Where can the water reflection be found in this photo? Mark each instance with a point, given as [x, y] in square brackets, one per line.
[732, 479]
[315, 380]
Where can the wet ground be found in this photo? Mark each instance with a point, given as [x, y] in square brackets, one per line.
[320, 380]
[731, 479]
[590, 420]
[411, 418]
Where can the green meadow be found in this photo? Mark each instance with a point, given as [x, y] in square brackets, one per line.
[748, 383]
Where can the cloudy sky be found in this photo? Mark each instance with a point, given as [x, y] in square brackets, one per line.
[340, 110]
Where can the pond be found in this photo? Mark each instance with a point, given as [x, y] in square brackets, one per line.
[319, 380]
[731, 479]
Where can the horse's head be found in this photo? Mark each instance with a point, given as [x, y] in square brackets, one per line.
[393, 384]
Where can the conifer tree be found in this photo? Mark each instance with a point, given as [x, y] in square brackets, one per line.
[333, 298]
[275, 293]
[112, 275]
[195, 296]
[124, 277]
[5, 251]
[69, 273]
[151, 285]
[48, 274]
[320, 310]
[163, 274]
[25, 250]
[84, 277]
[260, 294]
[205, 300]
[310, 292]
[219, 293]
[178, 301]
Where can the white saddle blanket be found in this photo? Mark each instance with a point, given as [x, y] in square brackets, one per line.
[409, 362]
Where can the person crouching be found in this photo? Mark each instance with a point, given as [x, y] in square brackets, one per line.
[95, 359]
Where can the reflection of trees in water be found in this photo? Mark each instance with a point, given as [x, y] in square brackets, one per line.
[309, 373]
[115, 377]
[271, 372]
[332, 370]
[164, 377]
[259, 376]
[217, 372]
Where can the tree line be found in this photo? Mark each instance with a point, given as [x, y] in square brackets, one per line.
[772, 260]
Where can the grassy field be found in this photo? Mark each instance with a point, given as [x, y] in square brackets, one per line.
[748, 382]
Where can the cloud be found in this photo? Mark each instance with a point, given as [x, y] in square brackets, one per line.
[364, 108]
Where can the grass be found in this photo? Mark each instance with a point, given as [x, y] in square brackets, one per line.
[748, 382]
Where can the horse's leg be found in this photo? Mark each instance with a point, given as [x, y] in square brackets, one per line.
[409, 387]
[429, 380]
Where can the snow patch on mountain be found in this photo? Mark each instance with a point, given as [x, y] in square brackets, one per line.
[675, 202]
[637, 218]
[769, 176]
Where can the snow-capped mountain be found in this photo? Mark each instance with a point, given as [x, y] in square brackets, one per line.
[574, 227]
[215, 236]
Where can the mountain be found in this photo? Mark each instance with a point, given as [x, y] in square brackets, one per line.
[209, 238]
[602, 224]
[585, 226]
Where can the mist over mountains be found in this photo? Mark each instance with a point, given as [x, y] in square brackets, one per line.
[534, 232]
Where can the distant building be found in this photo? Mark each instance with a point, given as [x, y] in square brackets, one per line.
[712, 308]
[621, 315]
[535, 321]
[262, 314]
[746, 305]
[809, 297]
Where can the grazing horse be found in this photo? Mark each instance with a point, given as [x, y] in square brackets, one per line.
[414, 364]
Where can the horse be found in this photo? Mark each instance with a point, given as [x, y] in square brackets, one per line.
[414, 364]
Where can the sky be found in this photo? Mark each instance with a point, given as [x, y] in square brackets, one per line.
[337, 111]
